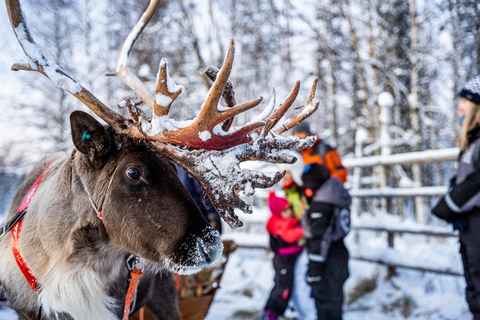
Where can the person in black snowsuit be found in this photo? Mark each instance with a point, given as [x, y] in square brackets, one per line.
[201, 199]
[461, 204]
[325, 223]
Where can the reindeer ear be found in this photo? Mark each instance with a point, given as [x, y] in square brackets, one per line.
[89, 135]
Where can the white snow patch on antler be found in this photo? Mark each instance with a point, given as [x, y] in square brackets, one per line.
[171, 85]
[62, 81]
[221, 108]
[205, 135]
[36, 58]
[218, 130]
[160, 124]
[34, 54]
[162, 100]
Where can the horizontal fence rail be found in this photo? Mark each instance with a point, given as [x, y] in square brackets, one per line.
[448, 154]
[393, 259]
[399, 192]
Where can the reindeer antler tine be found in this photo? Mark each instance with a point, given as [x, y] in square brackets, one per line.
[305, 111]
[312, 92]
[228, 93]
[123, 71]
[230, 113]
[166, 92]
[209, 107]
[278, 114]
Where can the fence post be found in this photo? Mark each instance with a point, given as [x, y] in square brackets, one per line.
[360, 137]
[391, 244]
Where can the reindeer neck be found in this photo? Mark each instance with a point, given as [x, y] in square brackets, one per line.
[66, 245]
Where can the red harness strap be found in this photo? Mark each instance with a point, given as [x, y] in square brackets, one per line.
[15, 235]
[28, 273]
[135, 274]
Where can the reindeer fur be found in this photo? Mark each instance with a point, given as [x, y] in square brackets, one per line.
[79, 262]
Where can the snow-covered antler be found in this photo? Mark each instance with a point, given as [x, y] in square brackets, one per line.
[206, 147]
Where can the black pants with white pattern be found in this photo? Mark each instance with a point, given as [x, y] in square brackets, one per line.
[282, 290]
[328, 292]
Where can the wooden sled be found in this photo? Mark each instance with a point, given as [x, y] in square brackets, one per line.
[196, 291]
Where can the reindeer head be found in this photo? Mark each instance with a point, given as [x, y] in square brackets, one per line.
[207, 148]
[145, 208]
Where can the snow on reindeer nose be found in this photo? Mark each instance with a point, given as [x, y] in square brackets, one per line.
[200, 250]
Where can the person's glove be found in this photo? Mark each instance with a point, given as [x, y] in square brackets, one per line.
[460, 224]
[314, 272]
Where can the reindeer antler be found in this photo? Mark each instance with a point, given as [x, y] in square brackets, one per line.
[217, 150]
[304, 112]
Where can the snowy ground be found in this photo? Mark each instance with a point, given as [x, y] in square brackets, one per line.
[410, 294]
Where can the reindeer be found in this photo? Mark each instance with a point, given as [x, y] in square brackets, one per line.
[76, 217]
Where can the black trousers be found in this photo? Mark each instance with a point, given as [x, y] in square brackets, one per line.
[328, 292]
[470, 251]
[282, 290]
[471, 269]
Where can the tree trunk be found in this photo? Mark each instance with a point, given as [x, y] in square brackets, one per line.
[360, 66]
[414, 107]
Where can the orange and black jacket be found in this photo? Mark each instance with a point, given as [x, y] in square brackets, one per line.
[324, 154]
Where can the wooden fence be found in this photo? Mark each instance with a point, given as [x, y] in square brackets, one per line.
[391, 232]
[389, 259]
[403, 262]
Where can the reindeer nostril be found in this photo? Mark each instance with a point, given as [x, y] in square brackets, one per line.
[211, 245]
[204, 254]
[200, 250]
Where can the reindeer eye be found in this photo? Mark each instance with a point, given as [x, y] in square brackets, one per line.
[133, 173]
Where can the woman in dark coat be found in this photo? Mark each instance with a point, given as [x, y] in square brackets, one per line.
[461, 205]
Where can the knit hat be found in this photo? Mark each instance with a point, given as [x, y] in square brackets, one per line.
[303, 126]
[276, 204]
[313, 177]
[471, 90]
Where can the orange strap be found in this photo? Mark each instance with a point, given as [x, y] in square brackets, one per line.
[100, 215]
[135, 274]
[177, 281]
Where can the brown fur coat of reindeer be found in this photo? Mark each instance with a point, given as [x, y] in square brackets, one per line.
[117, 193]
[145, 208]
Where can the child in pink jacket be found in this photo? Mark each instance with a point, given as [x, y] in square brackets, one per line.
[285, 231]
